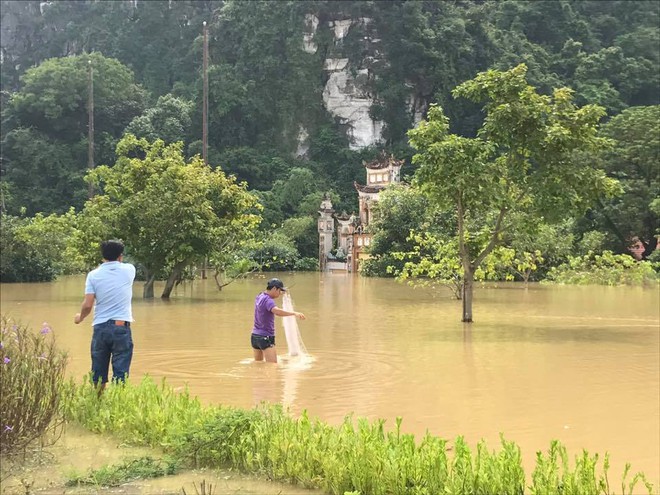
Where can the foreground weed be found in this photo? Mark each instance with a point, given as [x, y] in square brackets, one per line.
[204, 489]
[128, 470]
[147, 414]
[31, 376]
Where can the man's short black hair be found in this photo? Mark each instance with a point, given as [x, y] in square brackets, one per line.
[112, 249]
[275, 282]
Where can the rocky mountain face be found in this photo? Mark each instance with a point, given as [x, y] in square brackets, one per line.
[349, 93]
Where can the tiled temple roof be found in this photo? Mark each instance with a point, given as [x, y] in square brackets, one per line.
[368, 189]
[383, 161]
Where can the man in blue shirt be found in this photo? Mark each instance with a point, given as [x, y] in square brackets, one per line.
[108, 290]
[263, 332]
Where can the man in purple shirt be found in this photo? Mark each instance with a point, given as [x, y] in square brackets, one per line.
[263, 333]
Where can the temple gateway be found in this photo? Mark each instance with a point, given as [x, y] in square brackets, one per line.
[347, 249]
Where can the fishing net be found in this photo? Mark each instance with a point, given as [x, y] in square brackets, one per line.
[291, 332]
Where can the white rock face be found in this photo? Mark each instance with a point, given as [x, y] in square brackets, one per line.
[303, 143]
[416, 109]
[346, 94]
[344, 98]
[341, 28]
[311, 23]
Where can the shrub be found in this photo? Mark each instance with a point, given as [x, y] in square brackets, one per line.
[31, 376]
[125, 472]
[307, 265]
[38, 249]
[604, 269]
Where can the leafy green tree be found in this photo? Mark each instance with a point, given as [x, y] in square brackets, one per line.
[43, 174]
[538, 247]
[257, 168]
[303, 231]
[154, 38]
[50, 236]
[521, 162]
[635, 161]
[38, 249]
[18, 262]
[269, 83]
[290, 191]
[53, 97]
[170, 213]
[273, 252]
[45, 150]
[434, 261]
[169, 120]
[399, 211]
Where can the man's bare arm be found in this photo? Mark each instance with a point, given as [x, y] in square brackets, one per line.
[85, 309]
[281, 312]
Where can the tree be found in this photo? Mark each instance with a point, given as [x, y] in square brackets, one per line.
[38, 249]
[53, 97]
[45, 149]
[522, 161]
[399, 211]
[635, 161]
[171, 214]
[43, 174]
[169, 120]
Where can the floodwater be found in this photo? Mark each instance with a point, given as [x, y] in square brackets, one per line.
[577, 364]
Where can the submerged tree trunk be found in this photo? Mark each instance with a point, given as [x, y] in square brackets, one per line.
[148, 289]
[173, 279]
[468, 285]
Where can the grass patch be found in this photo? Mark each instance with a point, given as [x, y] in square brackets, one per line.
[358, 457]
[125, 472]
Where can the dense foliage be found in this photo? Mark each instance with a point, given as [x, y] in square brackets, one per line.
[268, 124]
[521, 167]
[171, 213]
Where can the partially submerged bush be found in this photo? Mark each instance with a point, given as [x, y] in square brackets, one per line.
[604, 269]
[31, 376]
[125, 472]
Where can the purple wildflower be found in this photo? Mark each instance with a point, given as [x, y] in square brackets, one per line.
[45, 328]
[2, 345]
[7, 360]
[8, 428]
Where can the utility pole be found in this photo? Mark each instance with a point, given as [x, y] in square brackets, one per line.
[205, 110]
[205, 103]
[90, 126]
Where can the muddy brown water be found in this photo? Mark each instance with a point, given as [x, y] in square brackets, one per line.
[577, 364]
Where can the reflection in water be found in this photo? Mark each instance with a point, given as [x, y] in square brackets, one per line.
[577, 364]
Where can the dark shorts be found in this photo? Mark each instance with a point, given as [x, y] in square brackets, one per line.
[261, 342]
[111, 342]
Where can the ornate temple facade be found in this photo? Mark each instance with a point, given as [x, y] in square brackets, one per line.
[343, 238]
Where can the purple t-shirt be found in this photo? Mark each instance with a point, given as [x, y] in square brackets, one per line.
[264, 319]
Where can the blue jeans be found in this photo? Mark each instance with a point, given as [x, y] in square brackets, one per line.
[111, 341]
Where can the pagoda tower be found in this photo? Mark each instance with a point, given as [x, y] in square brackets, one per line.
[353, 236]
[381, 172]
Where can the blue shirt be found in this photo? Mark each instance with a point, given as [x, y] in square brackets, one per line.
[264, 319]
[112, 285]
